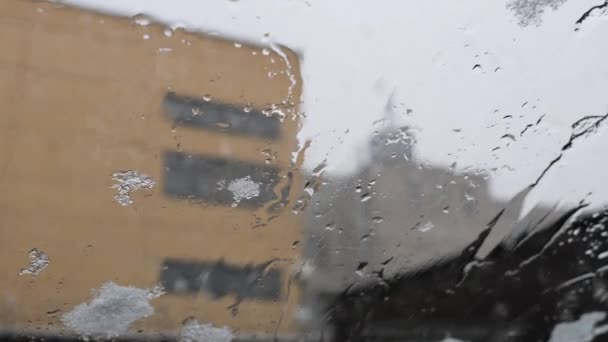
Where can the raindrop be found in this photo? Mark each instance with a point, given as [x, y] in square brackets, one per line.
[247, 108]
[238, 45]
[141, 20]
[426, 227]
[146, 36]
[168, 32]
[366, 197]
[358, 189]
[385, 262]
[207, 97]
[330, 227]
[295, 244]
[446, 209]
[265, 52]
[52, 313]
[223, 125]
[508, 136]
[477, 66]
[377, 219]
[196, 111]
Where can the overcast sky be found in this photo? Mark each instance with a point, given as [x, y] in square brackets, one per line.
[470, 71]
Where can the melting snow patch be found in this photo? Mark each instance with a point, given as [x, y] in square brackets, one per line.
[244, 188]
[38, 262]
[582, 330]
[193, 331]
[530, 11]
[112, 310]
[128, 181]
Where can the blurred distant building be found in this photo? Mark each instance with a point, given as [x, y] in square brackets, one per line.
[395, 216]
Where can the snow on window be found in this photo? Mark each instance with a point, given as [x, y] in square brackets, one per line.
[129, 181]
[193, 331]
[244, 188]
[111, 311]
[581, 330]
[38, 262]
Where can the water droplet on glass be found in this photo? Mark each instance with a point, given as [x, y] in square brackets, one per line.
[330, 227]
[265, 51]
[426, 227]
[222, 125]
[196, 111]
[295, 244]
[509, 137]
[146, 36]
[167, 32]
[53, 313]
[238, 45]
[141, 20]
[366, 197]
[377, 219]
[247, 108]
[207, 97]
[358, 188]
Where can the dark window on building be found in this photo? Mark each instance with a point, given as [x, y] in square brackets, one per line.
[220, 279]
[218, 180]
[195, 112]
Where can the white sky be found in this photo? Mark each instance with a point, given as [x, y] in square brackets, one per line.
[356, 53]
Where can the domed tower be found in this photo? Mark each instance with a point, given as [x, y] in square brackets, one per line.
[394, 142]
[392, 145]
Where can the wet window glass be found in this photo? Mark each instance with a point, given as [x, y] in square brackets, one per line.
[303, 170]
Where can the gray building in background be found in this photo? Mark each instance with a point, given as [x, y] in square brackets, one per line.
[395, 216]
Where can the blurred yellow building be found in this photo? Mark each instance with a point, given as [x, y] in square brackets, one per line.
[212, 122]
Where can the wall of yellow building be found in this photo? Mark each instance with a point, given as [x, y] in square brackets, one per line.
[82, 98]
